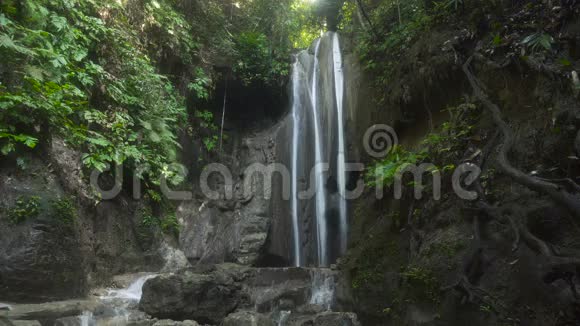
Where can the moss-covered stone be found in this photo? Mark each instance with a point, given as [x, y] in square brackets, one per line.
[63, 210]
[25, 208]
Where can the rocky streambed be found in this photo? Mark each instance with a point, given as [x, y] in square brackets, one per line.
[226, 294]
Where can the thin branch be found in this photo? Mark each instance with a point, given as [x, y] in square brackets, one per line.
[366, 16]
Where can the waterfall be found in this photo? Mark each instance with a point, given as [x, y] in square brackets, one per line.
[132, 293]
[87, 319]
[341, 159]
[118, 306]
[318, 142]
[295, 143]
[319, 164]
[283, 318]
[322, 288]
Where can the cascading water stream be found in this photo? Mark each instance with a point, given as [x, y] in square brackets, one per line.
[119, 306]
[323, 288]
[318, 85]
[133, 293]
[295, 142]
[319, 166]
[341, 157]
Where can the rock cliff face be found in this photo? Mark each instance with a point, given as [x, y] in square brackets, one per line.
[40, 259]
[234, 229]
[64, 241]
[457, 262]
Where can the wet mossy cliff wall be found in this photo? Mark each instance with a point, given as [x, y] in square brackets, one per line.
[461, 94]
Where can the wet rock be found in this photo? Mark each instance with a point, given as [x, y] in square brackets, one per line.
[336, 318]
[208, 295]
[50, 311]
[44, 259]
[206, 298]
[69, 321]
[211, 235]
[310, 309]
[40, 257]
[206, 236]
[324, 319]
[175, 259]
[247, 318]
[175, 323]
[232, 229]
[25, 323]
[279, 288]
[40, 262]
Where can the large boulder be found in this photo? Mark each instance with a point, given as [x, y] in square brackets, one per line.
[204, 297]
[247, 318]
[324, 319]
[41, 262]
[175, 323]
[25, 323]
[51, 311]
[209, 295]
[336, 318]
[272, 289]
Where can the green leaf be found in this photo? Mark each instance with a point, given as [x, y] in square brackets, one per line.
[154, 137]
[31, 142]
[34, 72]
[3, 20]
[80, 55]
[7, 148]
[98, 141]
[59, 22]
[565, 62]
[7, 42]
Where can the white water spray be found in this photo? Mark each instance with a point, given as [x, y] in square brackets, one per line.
[283, 318]
[86, 319]
[296, 130]
[341, 159]
[322, 289]
[319, 170]
[132, 293]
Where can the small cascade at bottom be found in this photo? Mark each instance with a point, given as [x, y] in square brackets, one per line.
[132, 293]
[119, 306]
[87, 319]
[283, 317]
[323, 288]
[319, 304]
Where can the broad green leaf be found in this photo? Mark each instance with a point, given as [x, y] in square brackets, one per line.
[7, 148]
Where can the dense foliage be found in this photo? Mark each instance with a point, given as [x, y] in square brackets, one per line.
[269, 31]
[112, 77]
[78, 69]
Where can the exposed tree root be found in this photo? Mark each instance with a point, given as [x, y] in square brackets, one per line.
[473, 294]
[492, 63]
[499, 214]
[569, 200]
[567, 181]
